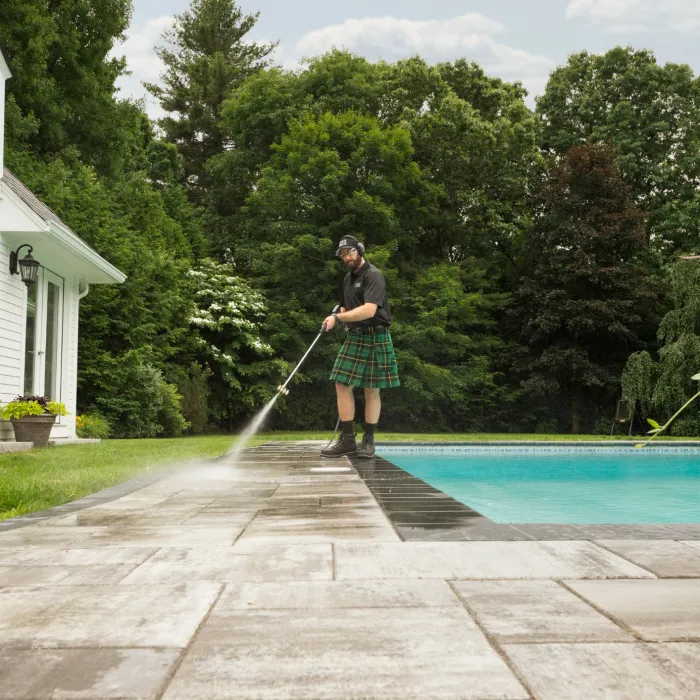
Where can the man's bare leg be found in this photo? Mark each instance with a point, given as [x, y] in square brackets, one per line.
[346, 402]
[373, 406]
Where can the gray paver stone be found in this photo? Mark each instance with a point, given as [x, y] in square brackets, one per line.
[659, 610]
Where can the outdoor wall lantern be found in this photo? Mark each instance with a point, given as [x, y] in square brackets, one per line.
[28, 267]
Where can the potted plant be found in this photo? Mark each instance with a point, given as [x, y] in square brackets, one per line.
[33, 417]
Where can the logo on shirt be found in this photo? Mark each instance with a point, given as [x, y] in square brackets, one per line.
[358, 284]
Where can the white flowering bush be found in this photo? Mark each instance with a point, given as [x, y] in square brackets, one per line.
[228, 316]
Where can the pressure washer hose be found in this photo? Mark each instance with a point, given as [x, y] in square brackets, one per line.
[337, 424]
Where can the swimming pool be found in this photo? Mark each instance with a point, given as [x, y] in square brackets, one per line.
[563, 485]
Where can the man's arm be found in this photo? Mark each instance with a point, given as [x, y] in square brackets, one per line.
[358, 314]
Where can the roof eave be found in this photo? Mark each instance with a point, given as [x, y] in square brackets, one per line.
[65, 237]
[4, 68]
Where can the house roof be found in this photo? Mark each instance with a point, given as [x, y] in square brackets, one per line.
[92, 266]
[30, 199]
[4, 69]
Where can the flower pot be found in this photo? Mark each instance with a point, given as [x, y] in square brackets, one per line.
[34, 429]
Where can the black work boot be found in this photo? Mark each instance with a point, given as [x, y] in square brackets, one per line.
[346, 445]
[366, 448]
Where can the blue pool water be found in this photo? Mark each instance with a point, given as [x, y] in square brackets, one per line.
[585, 485]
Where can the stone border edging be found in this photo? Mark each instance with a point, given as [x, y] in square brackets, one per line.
[459, 522]
[537, 443]
[111, 493]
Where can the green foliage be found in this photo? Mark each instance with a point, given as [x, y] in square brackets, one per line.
[689, 423]
[19, 409]
[206, 56]
[582, 304]
[127, 222]
[62, 84]
[446, 349]
[651, 113]
[227, 316]
[193, 387]
[668, 383]
[519, 287]
[170, 416]
[637, 381]
[348, 146]
[141, 404]
[57, 408]
[92, 425]
[32, 406]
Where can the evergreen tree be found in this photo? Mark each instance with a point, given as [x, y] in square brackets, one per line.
[582, 304]
[206, 57]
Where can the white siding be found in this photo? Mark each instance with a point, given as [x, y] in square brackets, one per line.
[12, 304]
[12, 332]
[65, 427]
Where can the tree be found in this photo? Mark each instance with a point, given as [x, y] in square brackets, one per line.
[206, 57]
[472, 135]
[62, 91]
[651, 113]
[228, 315]
[665, 385]
[430, 164]
[582, 304]
[127, 222]
[446, 342]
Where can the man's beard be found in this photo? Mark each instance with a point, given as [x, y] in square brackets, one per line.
[354, 265]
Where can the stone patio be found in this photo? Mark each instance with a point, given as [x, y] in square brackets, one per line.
[283, 576]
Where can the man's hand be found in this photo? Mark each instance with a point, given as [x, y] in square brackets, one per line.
[329, 323]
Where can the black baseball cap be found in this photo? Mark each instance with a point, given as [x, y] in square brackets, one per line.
[346, 242]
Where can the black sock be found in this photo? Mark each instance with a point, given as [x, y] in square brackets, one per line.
[347, 427]
[370, 428]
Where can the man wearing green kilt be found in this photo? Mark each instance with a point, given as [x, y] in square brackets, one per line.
[367, 358]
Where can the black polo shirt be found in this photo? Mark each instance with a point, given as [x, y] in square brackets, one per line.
[367, 285]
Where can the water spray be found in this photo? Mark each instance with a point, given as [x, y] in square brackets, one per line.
[282, 388]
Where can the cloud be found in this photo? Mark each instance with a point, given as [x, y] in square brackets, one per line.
[142, 61]
[469, 36]
[401, 36]
[639, 15]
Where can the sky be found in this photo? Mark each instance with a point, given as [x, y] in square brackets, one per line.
[513, 39]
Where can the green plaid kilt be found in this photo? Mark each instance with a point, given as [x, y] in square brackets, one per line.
[367, 359]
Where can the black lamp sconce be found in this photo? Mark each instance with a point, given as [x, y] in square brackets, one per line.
[28, 267]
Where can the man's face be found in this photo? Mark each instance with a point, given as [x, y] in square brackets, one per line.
[351, 258]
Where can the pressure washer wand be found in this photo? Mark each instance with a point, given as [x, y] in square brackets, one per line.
[282, 389]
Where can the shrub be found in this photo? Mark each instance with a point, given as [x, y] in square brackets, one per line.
[142, 404]
[170, 417]
[686, 427]
[194, 389]
[92, 425]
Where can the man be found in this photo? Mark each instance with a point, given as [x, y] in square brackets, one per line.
[367, 357]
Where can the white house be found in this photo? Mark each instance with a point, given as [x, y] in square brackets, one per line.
[39, 321]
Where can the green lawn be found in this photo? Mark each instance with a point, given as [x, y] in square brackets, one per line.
[38, 479]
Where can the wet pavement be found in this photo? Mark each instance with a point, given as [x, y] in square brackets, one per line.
[286, 576]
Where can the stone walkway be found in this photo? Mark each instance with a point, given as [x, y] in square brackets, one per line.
[280, 577]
